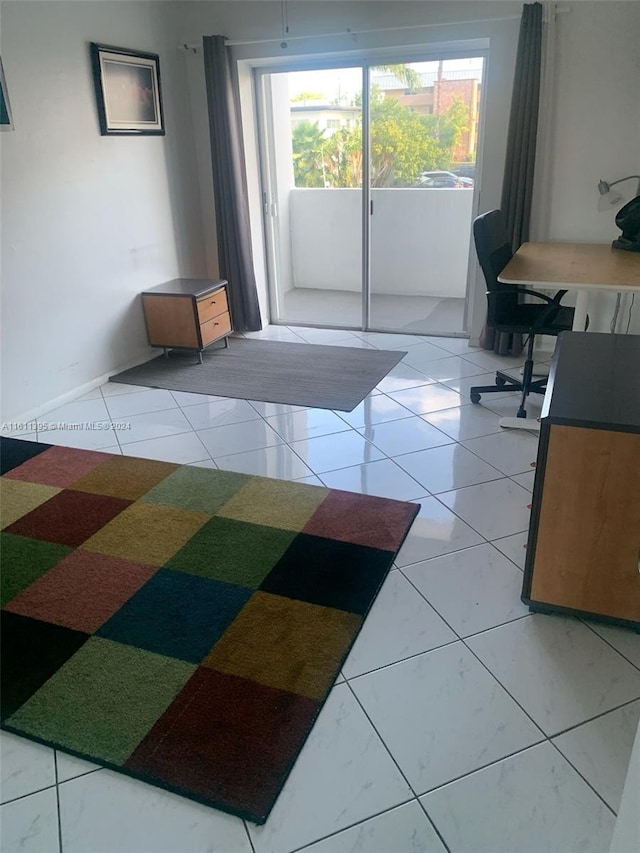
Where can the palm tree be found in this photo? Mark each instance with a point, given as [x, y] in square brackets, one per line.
[308, 157]
[405, 74]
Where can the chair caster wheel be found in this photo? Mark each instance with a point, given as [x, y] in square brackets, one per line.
[475, 398]
[500, 381]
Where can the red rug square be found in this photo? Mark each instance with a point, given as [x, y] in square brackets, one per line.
[228, 740]
[59, 466]
[369, 521]
[69, 517]
[82, 591]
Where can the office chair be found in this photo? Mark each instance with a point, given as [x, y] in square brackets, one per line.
[505, 313]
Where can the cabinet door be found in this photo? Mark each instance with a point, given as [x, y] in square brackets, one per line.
[171, 321]
[588, 539]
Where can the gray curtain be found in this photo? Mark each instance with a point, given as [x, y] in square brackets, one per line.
[230, 184]
[517, 186]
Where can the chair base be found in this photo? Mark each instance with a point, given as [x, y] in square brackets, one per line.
[507, 383]
[504, 382]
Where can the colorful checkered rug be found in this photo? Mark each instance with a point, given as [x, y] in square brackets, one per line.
[179, 624]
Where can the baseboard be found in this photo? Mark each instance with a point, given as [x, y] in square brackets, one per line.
[78, 391]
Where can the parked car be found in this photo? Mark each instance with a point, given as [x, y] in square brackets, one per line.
[465, 170]
[442, 180]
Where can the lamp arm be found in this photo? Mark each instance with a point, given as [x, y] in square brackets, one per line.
[620, 180]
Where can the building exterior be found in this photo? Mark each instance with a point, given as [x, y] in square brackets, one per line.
[328, 117]
[435, 95]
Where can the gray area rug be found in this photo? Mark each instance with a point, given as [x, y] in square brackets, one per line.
[272, 371]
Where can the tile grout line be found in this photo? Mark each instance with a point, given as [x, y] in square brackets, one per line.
[591, 628]
[596, 717]
[584, 779]
[55, 764]
[29, 794]
[392, 757]
[359, 823]
[246, 829]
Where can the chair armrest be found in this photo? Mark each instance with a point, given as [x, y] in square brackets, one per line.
[550, 311]
[546, 316]
[555, 300]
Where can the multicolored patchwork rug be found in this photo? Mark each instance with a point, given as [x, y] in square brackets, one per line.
[179, 624]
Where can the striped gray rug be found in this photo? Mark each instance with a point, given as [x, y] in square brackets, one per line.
[275, 372]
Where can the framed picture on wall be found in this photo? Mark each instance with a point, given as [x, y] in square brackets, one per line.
[6, 121]
[127, 91]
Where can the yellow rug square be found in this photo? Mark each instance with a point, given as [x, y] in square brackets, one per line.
[124, 477]
[284, 643]
[274, 503]
[17, 498]
[146, 533]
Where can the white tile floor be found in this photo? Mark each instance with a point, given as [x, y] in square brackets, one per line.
[460, 722]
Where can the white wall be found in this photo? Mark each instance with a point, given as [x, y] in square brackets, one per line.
[596, 128]
[88, 221]
[419, 240]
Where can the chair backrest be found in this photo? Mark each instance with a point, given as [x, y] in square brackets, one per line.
[493, 248]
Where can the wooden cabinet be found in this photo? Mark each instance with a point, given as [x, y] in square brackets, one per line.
[583, 551]
[187, 314]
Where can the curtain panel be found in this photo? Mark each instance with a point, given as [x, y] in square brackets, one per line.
[230, 184]
[517, 186]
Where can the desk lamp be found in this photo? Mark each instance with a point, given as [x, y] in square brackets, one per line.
[627, 218]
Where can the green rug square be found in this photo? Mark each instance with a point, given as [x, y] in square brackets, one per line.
[103, 701]
[24, 560]
[194, 488]
[233, 551]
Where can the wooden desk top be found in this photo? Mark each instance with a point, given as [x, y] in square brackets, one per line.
[573, 265]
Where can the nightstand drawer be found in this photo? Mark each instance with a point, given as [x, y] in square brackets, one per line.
[212, 305]
[216, 328]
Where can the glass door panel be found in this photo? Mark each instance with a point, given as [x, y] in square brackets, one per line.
[423, 142]
[312, 178]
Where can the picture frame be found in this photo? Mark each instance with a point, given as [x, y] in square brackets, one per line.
[6, 118]
[128, 92]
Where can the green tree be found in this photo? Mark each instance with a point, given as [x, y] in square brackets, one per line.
[453, 123]
[308, 96]
[343, 158]
[308, 154]
[401, 145]
[404, 143]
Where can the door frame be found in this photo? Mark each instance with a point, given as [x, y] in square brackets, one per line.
[366, 60]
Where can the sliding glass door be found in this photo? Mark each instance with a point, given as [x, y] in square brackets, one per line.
[369, 176]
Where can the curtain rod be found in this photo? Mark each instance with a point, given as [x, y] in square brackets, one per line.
[353, 34]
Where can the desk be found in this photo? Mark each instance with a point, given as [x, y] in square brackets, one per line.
[571, 266]
[574, 266]
[583, 549]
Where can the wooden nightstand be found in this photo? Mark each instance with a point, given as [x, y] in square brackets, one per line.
[187, 313]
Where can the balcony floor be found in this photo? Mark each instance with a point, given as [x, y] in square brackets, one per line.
[409, 314]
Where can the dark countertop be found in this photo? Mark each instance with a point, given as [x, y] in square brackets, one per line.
[594, 381]
[187, 287]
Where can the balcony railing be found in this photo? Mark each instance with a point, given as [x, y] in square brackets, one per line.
[419, 240]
